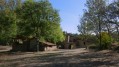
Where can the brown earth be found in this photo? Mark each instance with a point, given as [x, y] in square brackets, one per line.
[5, 48]
[60, 58]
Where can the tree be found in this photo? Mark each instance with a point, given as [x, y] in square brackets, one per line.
[8, 20]
[94, 17]
[39, 19]
[106, 40]
[113, 15]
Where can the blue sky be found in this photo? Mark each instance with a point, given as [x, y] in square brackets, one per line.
[70, 12]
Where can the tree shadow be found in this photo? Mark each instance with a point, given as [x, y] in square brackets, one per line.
[78, 64]
[60, 60]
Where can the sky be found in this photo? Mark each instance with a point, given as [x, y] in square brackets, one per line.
[70, 12]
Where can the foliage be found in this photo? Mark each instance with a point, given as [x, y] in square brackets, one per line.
[8, 27]
[39, 19]
[93, 46]
[88, 39]
[95, 20]
[106, 40]
[29, 18]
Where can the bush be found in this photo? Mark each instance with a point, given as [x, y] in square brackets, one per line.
[106, 40]
[92, 47]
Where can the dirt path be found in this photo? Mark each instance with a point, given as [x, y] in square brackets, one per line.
[61, 58]
[5, 48]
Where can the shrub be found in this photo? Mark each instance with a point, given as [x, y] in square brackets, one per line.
[92, 47]
[106, 40]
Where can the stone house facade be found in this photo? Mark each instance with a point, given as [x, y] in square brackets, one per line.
[31, 44]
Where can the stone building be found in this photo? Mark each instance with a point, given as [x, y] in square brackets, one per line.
[70, 42]
[31, 44]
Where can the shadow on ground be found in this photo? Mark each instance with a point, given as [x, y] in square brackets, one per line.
[94, 59]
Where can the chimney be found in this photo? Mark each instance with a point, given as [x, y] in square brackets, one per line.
[68, 39]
